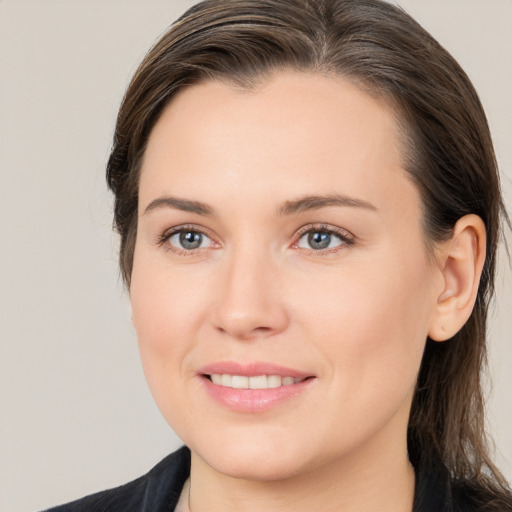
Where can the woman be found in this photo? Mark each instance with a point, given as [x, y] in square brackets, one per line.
[309, 210]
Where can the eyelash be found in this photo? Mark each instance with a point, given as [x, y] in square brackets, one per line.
[163, 239]
[346, 238]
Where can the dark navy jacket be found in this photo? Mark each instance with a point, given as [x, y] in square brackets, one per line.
[160, 489]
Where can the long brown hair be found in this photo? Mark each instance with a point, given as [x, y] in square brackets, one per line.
[448, 153]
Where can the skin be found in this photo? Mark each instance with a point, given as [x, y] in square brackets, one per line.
[355, 316]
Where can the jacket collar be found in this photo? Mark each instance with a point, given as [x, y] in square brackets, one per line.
[433, 488]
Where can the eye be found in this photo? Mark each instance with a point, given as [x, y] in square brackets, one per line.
[188, 240]
[318, 240]
[321, 239]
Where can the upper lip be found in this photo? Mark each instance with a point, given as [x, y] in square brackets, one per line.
[251, 369]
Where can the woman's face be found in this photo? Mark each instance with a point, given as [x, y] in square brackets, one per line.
[280, 249]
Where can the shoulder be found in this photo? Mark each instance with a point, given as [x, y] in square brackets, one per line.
[156, 491]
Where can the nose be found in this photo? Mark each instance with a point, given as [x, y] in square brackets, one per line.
[249, 300]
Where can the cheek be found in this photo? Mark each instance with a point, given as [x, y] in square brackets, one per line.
[371, 325]
[165, 313]
[166, 302]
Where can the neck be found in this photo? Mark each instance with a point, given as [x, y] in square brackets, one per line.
[379, 478]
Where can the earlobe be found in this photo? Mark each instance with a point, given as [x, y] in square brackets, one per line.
[461, 260]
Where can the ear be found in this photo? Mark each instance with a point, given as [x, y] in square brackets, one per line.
[461, 260]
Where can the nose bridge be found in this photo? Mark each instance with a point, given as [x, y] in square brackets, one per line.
[249, 301]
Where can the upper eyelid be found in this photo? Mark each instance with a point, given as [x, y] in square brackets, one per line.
[344, 233]
[186, 227]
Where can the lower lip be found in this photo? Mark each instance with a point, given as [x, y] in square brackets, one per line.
[254, 400]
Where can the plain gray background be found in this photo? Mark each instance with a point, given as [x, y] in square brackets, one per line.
[75, 412]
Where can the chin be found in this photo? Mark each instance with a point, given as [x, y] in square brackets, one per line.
[265, 460]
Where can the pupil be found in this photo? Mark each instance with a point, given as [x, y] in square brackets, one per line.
[191, 240]
[319, 240]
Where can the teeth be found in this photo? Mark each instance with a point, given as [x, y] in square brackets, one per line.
[226, 380]
[240, 382]
[274, 381]
[256, 382]
[259, 382]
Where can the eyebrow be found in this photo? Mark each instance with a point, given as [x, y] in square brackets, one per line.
[180, 204]
[322, 201]
[301, 204]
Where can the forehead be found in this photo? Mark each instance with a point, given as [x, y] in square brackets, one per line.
[293, 131]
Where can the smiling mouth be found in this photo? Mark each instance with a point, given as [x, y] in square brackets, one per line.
[253, 382]
[254, 388]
